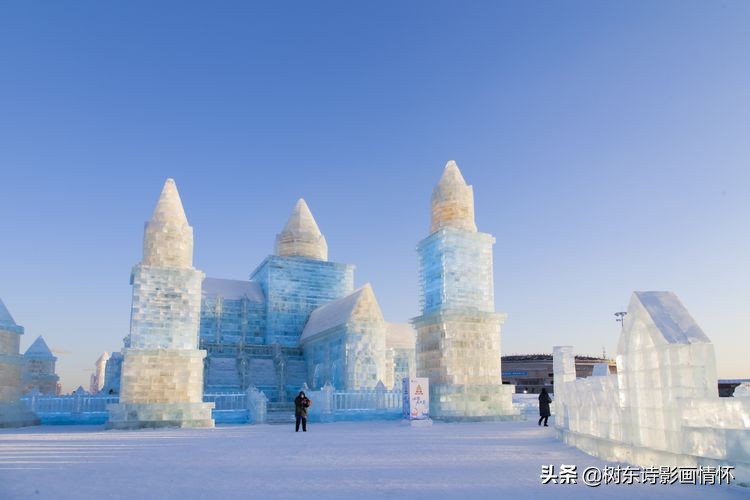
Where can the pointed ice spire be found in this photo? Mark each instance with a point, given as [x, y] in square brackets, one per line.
[452, 201]
[39, 350]
[168, 239]
[301, 236]
[7, 323]
[169, 207]
[5, 317]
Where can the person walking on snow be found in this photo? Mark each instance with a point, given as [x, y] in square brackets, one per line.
[301, 404]
[544, 401]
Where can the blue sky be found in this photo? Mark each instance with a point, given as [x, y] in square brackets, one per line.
[607, 144]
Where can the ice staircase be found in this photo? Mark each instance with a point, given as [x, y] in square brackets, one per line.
[222, 375]
[279, 413]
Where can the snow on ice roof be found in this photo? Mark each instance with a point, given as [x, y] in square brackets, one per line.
[400, 335]
[39, 349]
[670, 317]
[334, 313]
[233, 289]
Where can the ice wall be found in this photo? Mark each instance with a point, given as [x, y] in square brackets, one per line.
[162, 370]
[294, 287]
[662, 408]
[458, 331]
[12, 412]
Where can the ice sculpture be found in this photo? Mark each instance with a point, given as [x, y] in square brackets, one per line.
[12, 412]
[662, 407]
[162, 369]
[301, 236]
[39, 369]
[344, 342]
[458, 332]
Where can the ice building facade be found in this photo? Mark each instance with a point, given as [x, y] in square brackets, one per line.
[458, 331]
[38, 374]
[12, 412]
[662, 407]
[344, 342]
[297, 320]
[161, 381]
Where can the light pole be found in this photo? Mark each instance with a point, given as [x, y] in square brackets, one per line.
[620, 318]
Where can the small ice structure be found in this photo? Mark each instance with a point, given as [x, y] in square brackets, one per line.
[662, 407]
[162, 368]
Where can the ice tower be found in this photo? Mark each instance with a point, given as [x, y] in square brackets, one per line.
[39, 369]
[299, 278]
[162, 370]
[458, 332]
[12, 412]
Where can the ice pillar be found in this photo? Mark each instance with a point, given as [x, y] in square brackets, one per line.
[162, 370]
[458, 332]
[12, 412]
[564, 369]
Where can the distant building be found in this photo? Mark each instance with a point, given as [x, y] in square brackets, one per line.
[39, 369]
[98, 377]
[532, 372]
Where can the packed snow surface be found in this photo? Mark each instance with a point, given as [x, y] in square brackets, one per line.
[335, 460]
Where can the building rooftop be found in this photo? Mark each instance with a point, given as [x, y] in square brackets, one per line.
[341, 311]
[39, 349]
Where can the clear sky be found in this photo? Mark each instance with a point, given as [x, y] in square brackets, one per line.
[608, 144]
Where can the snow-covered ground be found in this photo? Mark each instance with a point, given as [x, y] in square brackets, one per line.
[336, 460]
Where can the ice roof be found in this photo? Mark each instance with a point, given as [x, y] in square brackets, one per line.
[452, 201]
[301, 236]
[336, 313]
[670, 317]
[400, 335]
[5, 317]
[39, 349]
[233, 289]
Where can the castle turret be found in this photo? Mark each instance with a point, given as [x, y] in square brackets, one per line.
[12, 412]
[162, 369]
[301, 236]
[458, 332]
[39, 369]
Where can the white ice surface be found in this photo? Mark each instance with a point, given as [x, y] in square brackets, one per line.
[671, 318]
[336, 460]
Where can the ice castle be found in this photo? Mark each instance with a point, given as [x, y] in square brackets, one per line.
[297, 320]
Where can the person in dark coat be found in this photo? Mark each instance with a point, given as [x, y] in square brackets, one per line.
[544, 401]
[301, 404]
